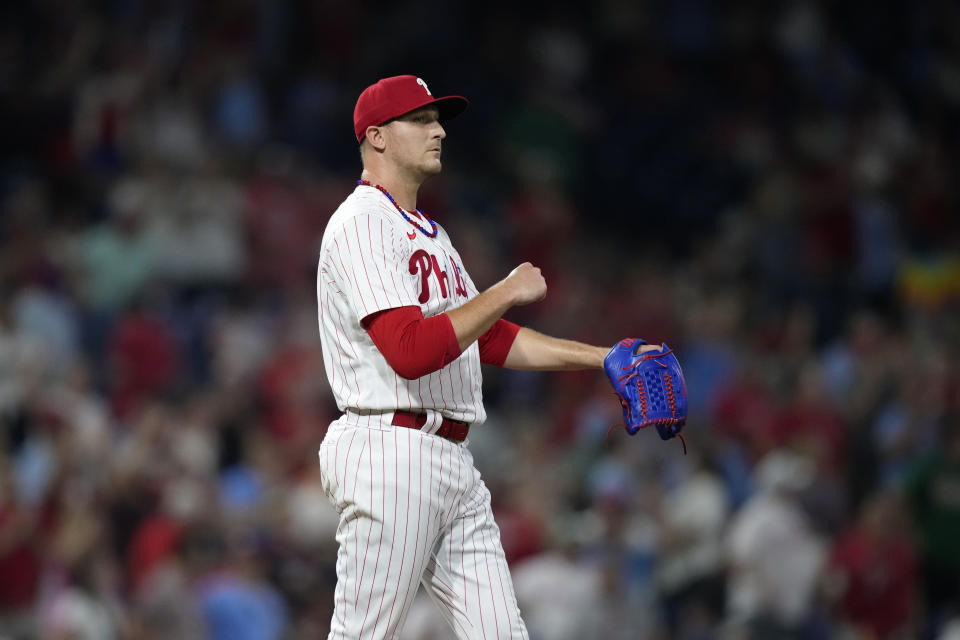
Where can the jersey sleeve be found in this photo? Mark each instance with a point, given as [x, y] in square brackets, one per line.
[365, 257]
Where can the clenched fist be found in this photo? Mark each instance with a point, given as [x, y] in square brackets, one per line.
[526, 284]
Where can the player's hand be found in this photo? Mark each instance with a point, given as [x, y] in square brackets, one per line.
[526, 284]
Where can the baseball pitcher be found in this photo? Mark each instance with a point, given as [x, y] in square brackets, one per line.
[404, 331]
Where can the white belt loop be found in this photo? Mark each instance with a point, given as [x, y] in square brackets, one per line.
[434, 420]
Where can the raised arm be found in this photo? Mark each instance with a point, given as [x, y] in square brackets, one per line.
[415, 346]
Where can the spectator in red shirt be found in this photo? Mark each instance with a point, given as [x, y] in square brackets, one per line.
[872, 572]
[20, 556]
[812, 425]
[144, 360]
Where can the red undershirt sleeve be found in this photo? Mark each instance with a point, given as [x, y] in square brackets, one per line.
[415, 346]
[412, 345]
[496, 342]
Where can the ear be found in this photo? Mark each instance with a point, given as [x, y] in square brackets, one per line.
[376, 138]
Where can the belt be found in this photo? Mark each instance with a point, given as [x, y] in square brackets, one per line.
[449, 429]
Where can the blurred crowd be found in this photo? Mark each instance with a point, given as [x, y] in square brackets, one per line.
[771, 188]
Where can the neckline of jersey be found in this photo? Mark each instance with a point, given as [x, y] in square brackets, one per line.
[433, 225]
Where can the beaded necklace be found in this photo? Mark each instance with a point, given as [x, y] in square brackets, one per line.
[433, 225]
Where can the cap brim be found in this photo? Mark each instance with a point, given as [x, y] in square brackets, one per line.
[450, 106]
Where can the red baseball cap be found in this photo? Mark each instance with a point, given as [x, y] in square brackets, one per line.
[395, 96]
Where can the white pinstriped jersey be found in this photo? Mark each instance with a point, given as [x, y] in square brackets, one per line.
[372, 259]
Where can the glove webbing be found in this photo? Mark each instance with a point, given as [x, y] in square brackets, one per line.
[643, 396]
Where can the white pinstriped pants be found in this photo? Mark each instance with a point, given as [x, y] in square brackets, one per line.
[413, 509]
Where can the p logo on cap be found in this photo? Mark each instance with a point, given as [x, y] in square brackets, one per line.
[395, 96]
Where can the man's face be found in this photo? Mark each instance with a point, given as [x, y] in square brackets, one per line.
[413, 141]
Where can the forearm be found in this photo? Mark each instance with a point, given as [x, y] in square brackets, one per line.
[532, 350]
[471, 320]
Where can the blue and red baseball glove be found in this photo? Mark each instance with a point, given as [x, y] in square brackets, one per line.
[650, 387]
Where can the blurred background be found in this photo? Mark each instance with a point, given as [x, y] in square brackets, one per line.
[770, 187]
